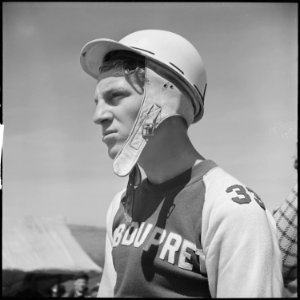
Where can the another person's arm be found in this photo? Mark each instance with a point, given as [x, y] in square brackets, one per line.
[286, 217]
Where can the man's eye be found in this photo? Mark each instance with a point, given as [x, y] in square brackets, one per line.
[116, 95]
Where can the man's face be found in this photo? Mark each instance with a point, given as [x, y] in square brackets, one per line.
[80, 284]
[118, 101]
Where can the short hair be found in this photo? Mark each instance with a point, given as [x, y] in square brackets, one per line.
[81, 275]
[131, 60]
[125, 62]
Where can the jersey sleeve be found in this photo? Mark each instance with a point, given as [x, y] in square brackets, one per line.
[239, 239]
[108, 279]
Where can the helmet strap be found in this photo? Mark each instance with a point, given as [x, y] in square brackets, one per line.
[128, 200]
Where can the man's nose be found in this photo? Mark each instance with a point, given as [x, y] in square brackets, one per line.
[102, 112]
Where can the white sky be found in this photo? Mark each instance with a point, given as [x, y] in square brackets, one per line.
[54, 162]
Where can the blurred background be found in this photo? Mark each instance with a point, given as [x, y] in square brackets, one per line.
[54, 163]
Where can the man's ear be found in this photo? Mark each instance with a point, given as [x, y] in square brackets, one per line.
[137, 80]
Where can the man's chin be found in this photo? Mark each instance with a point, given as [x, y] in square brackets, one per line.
[112, 153]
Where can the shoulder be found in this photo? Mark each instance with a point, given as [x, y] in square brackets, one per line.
[229, 202]
[227, 192]
[113, 209]
[234, 214]
[115, 203]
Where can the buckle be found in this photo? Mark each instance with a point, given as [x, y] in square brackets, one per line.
[148, 130]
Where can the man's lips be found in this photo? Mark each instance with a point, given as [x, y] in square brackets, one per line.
[107, 133]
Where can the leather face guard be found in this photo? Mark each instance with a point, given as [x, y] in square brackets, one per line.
[161, 100]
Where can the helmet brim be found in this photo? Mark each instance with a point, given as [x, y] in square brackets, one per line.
[93, 53]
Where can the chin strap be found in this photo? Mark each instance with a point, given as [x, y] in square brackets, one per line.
[128, 200]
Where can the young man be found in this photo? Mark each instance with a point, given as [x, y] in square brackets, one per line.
[80, 286]
[188, 229]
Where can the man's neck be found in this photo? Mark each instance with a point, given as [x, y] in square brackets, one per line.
[169, 154]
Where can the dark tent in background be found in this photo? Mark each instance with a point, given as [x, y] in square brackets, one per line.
[40, 251]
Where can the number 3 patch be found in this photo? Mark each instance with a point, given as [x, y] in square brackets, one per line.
[243, 196]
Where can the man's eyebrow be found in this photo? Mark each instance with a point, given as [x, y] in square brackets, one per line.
[107, 91]
[118, 88]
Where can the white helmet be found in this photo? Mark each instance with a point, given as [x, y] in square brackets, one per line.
[167, 54]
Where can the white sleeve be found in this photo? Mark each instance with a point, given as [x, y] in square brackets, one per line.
[109, 277]
[242, 256]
